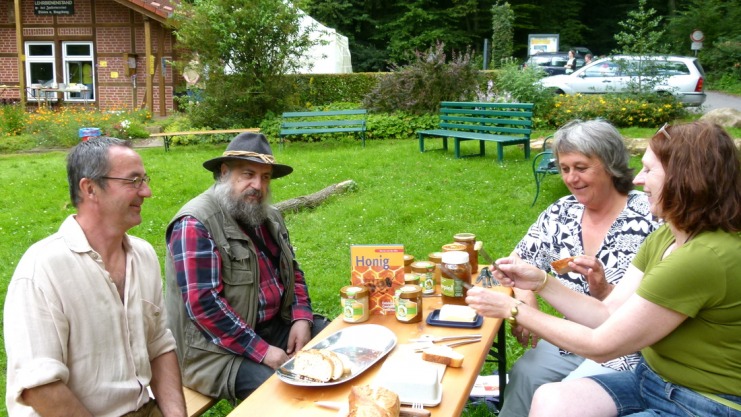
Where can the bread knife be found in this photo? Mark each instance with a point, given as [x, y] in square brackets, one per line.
[403, 411]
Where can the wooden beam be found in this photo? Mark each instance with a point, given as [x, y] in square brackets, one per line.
[20, 52]
[149, 62]
[161, 81]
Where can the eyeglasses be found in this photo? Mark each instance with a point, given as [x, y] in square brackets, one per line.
[663, 131]
[136, 181]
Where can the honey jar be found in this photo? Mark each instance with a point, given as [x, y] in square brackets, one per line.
[409, 304]
[452, 289]
[436, 258]
[454, 247]
[408, 260]
[354, 299]
[411, 279]
[469, 240]
[425, 272]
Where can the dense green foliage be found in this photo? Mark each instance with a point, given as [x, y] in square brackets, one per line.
[641, 32]
[502, 37]
[420, 86]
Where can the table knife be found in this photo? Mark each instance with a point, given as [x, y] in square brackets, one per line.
[403, 412]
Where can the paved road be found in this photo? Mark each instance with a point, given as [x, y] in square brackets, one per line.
[718, 100]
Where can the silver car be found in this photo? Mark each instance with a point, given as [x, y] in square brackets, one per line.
[680, 76]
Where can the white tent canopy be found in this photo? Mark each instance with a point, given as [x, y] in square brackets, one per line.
[331, 55]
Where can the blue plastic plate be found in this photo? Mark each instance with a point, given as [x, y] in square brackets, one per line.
[434, 320]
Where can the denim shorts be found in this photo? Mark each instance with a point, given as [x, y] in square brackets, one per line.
[642, 392]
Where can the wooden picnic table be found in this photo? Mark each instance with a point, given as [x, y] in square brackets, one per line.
[277, 398]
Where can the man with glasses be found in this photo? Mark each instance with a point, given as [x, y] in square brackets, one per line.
[86, 332]
[236, 298]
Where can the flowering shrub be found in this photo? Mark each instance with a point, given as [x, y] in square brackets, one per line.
[59, 127]
[620, 109]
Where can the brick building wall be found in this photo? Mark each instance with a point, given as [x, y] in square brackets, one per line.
[114, 30]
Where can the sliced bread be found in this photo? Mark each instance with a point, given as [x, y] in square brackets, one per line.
[443, 354]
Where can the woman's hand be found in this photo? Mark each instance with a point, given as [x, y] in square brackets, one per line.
[490, 303]
[511, 273]
[594, 272]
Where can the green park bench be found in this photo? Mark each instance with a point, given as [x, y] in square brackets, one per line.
[316, 122]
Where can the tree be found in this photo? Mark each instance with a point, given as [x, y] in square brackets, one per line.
[641, 34]
[502, 32]
[245, 48]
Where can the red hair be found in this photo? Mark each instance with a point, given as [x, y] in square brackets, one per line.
[702, 188]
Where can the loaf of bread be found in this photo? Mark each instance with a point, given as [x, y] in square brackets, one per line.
[443, 354]
[561, 266]
[452, 312]
[373, 401]
[320, 364]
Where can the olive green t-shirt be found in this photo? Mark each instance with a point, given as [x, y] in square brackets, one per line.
[701, 279]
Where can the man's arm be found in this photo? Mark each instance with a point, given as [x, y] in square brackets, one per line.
[54, 400]
[167, 386]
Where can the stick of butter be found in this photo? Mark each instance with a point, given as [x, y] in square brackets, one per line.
[452, 312]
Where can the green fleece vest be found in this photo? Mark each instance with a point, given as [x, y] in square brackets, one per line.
[205, 366]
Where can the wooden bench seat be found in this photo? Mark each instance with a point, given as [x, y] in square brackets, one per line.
[502, 123]
[168, 135]
[196, 403]
[318, 122]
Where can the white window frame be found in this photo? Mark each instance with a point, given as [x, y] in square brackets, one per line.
[32, 94]
[90, 94]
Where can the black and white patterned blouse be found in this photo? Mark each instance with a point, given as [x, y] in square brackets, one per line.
[557, 234]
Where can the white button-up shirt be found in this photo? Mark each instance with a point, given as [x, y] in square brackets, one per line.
[64, 321]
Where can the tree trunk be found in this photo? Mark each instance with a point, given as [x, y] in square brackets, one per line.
[315, 199]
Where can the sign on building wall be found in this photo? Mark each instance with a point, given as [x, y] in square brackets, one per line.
[54, 7]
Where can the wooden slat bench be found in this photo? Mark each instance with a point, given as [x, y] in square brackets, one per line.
[168, 135]
[196, 403]
[502, 123]
[333, 121]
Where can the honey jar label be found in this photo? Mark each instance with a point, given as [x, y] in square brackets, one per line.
[406, 310]
[353, 310]
[428, 285]
[451, 287]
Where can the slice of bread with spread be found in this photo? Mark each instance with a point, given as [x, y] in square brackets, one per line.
[561, 266]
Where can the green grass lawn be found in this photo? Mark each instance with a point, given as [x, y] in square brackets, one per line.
[403, 196]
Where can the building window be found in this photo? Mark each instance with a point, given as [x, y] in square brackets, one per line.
[79, 70]
[40, 69]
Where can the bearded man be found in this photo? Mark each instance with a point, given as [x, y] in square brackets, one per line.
[237, 301]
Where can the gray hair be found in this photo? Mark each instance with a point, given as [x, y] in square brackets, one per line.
[597, 138]
[89, 159]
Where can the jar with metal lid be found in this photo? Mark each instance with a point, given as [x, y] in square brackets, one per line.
[454, 247]
[425, 271]
[409, 304]
[469, 240]
[408, 260]
[452, 289]
[354, 299]
[411, 279]
[436, 258]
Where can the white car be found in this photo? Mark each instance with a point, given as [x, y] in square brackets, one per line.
[678, 75]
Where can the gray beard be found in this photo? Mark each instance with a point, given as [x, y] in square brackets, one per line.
[245, 212]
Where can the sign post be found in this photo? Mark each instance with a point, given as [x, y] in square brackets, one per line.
[696, 37]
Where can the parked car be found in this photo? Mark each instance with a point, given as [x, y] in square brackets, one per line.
[678, 75]
[552, 62]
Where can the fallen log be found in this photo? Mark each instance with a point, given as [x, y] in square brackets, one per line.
[315, 199]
